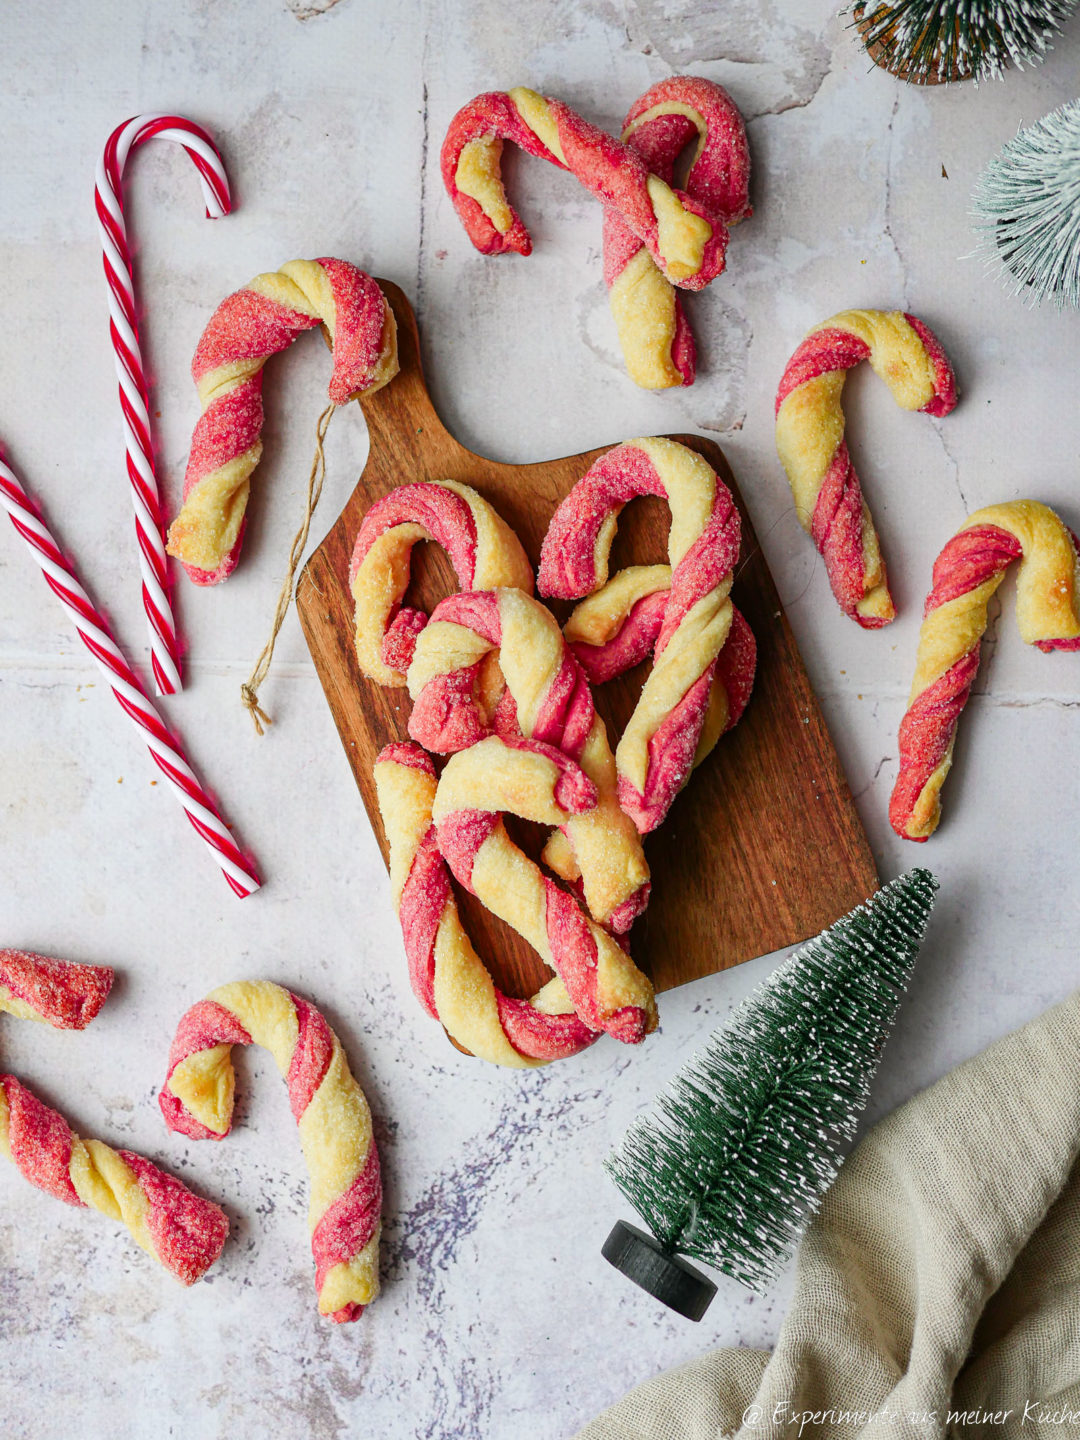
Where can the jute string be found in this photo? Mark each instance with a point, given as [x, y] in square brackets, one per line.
[250, 692]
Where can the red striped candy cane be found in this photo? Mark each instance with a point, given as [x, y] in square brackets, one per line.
[130, 372]
[98, 638]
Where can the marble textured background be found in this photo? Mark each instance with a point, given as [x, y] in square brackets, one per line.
[499, 1316]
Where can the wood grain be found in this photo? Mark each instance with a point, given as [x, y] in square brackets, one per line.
[762, 849]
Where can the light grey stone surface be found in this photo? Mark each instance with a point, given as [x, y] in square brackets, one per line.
[499, 1318]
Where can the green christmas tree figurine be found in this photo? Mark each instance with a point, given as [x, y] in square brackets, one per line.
[1027, 209]
[933, 42]
[750, 1134]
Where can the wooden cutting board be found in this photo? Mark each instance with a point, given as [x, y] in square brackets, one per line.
[762, 849]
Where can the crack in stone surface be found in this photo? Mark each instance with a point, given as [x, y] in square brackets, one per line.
[796, 102]
[953, 463]
[424, 146]
[1053, 701]
[885, 759]
[890, 144]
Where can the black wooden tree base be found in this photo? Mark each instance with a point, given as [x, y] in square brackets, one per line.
[670, 1278]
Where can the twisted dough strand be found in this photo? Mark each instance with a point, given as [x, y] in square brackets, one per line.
[539, 783]
[180, 1230]
[810, 440]
[617, 627]
[548, 700]
[61, 993]
[447, 975]
[482, 548]
[686, 239]
[329, 1108]
[655, 336]
[656, 753]
[966, 573]
[248, 327]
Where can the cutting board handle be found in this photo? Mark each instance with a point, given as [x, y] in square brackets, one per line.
[400, 417]
[762, 849]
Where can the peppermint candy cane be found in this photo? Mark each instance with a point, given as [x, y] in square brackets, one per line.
[547, 698]
[686, 238]
[448, 977]
[329, 1108]
[130, 372]
[180, 1230]
[539, 783]
[243, 332]
[966, 574]
[94, 632]
[656, 753]
[655, 336]
[810, 440]
[618, 626]
[482, 548]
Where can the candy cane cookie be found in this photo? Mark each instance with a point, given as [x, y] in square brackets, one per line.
[248, 327]
[330, 1112]
[684, 235]
[617, 627]
[655, 336]
[61, 993]
[448, 977]
[810, 440]
[482, 548]
[550, 701]
[180, 1230]
[966, 574]
[539, 783]
[656, 753]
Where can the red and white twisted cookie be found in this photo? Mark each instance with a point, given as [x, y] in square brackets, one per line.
[656, 753]
[966, 574]
[685, 236]
[539, 783]
[244, 331]
[482, 548]
[182, 1231]
[62, 993]
[810, 440]
[448, 977]
[656, 340]
[330, 1112]
[547, 698]
[616, 628]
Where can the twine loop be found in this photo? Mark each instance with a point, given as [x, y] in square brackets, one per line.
[249, 692]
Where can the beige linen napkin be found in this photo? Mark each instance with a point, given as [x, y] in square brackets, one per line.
[938, 1289]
